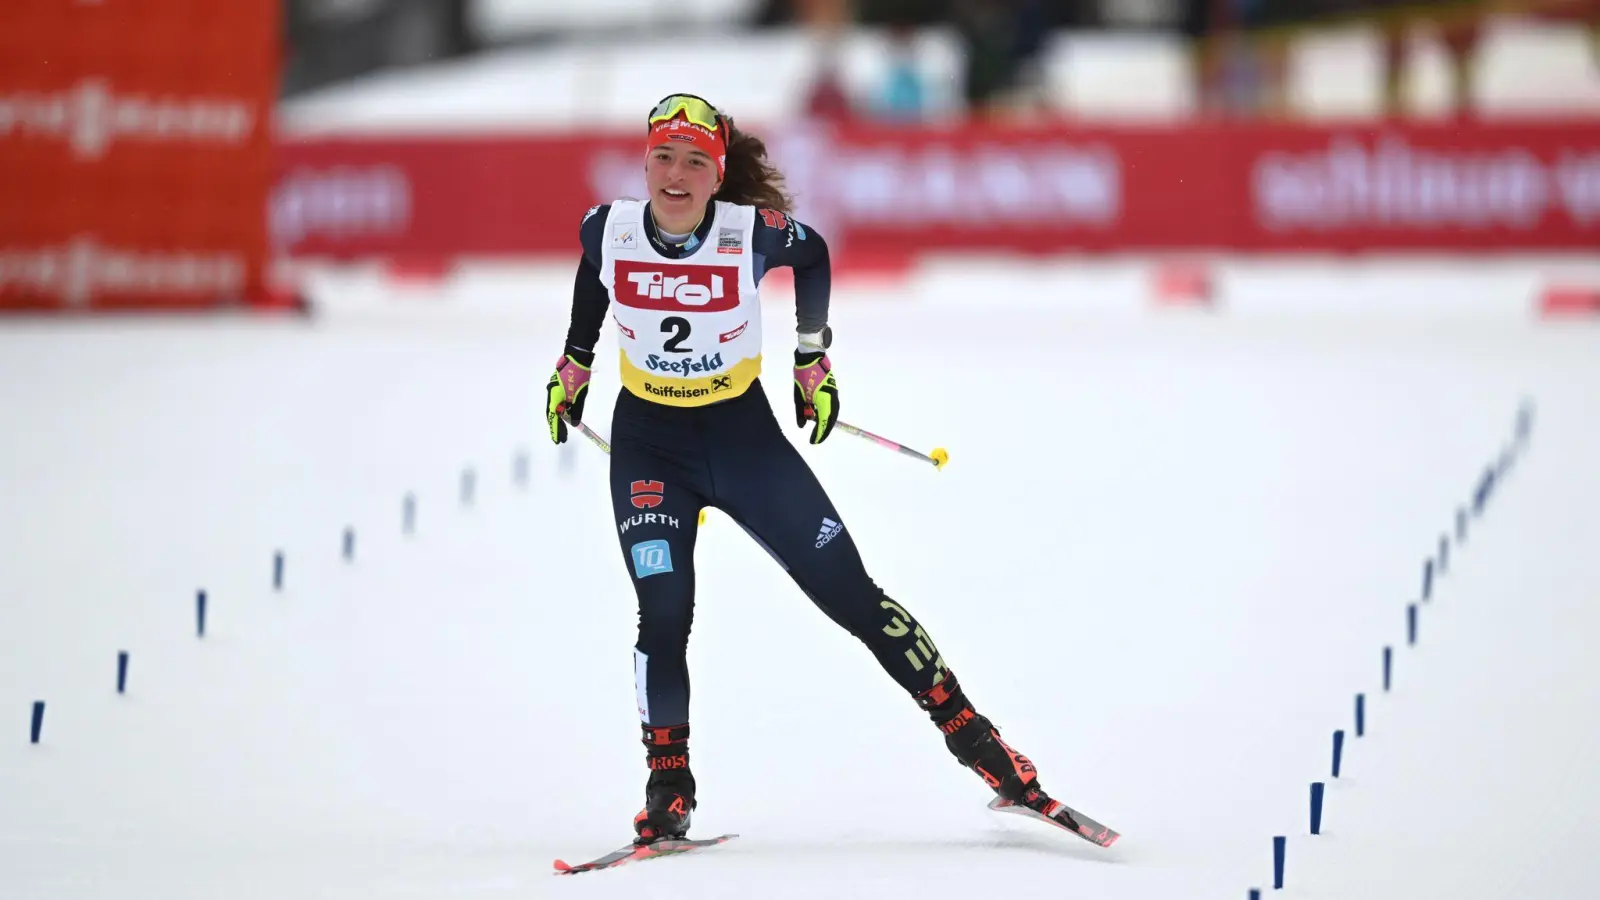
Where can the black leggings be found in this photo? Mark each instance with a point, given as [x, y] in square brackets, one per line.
[669, 462]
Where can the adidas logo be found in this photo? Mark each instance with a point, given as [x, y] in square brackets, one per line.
[830, 529]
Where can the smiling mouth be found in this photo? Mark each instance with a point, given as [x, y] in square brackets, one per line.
[675, 195]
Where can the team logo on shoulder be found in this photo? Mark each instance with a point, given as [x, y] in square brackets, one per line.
[646, 494]
[775, 219]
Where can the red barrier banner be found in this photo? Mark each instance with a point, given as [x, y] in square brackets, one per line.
[136, 152]
[880, 193]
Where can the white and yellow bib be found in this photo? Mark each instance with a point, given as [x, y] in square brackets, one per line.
[689, 329]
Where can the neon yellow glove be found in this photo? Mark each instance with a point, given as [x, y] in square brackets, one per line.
[566, 393]
[816, 394]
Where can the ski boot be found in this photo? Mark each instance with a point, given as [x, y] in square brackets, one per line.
[669, 792]
[975, 743]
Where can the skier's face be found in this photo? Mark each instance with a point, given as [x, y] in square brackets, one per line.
[681, 181]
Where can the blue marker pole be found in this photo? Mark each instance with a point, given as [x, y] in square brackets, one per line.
[277, 571]
[469, 484]
[349, 544]
[1411, 624]
[1316, 807]
[1427, 580]
[1461, 525]
[1280, 846]
[1338, 750]
[408, 516]
[200, 613]
[38, 721]
[122, 671]
[1255, 894]
[1388, 665]
[1361, 714]
[1480, 496]
[1444, 553]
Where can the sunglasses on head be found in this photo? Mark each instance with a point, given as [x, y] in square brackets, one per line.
[695, 110]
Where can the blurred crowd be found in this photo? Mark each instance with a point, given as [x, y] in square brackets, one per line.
[1237, 49]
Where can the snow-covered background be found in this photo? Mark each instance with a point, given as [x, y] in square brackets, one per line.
[1165, 557]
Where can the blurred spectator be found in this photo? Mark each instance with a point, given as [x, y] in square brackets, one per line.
[332, 40]
[830, 16]
[1457, 25]
[1001, 40]
[825, 97]
[904, 97]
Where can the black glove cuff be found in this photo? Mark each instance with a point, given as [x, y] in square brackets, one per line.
[805, 359]
[585, 358]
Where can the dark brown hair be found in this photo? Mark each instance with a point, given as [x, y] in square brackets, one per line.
[749, 179]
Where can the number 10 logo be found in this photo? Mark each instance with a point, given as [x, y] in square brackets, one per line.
[651, 558]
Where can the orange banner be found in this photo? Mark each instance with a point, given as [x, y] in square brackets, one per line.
[135, 152]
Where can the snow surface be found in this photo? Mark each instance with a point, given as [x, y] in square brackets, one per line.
[1165, 556]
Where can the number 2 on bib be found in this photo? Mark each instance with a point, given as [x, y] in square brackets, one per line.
[678, 327]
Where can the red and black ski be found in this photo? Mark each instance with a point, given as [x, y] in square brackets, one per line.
[640, 852]
[1055, 813]
[1063, 817]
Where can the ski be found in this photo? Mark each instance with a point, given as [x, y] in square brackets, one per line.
[1063, 817]
[639, 852]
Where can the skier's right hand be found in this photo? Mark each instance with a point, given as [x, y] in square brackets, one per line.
[566, 392]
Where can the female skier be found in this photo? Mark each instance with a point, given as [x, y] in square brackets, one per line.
[693, 428]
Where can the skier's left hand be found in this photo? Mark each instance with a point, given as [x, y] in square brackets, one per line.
[816, 394]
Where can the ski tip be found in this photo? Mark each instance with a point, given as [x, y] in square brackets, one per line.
[563, 866]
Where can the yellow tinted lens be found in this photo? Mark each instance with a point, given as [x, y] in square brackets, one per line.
[694, 109]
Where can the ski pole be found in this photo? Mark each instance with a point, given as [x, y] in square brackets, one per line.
[588, 433]
[937, 458]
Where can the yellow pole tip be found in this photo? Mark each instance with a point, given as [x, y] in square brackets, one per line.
[940, 457]
[702, 517]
